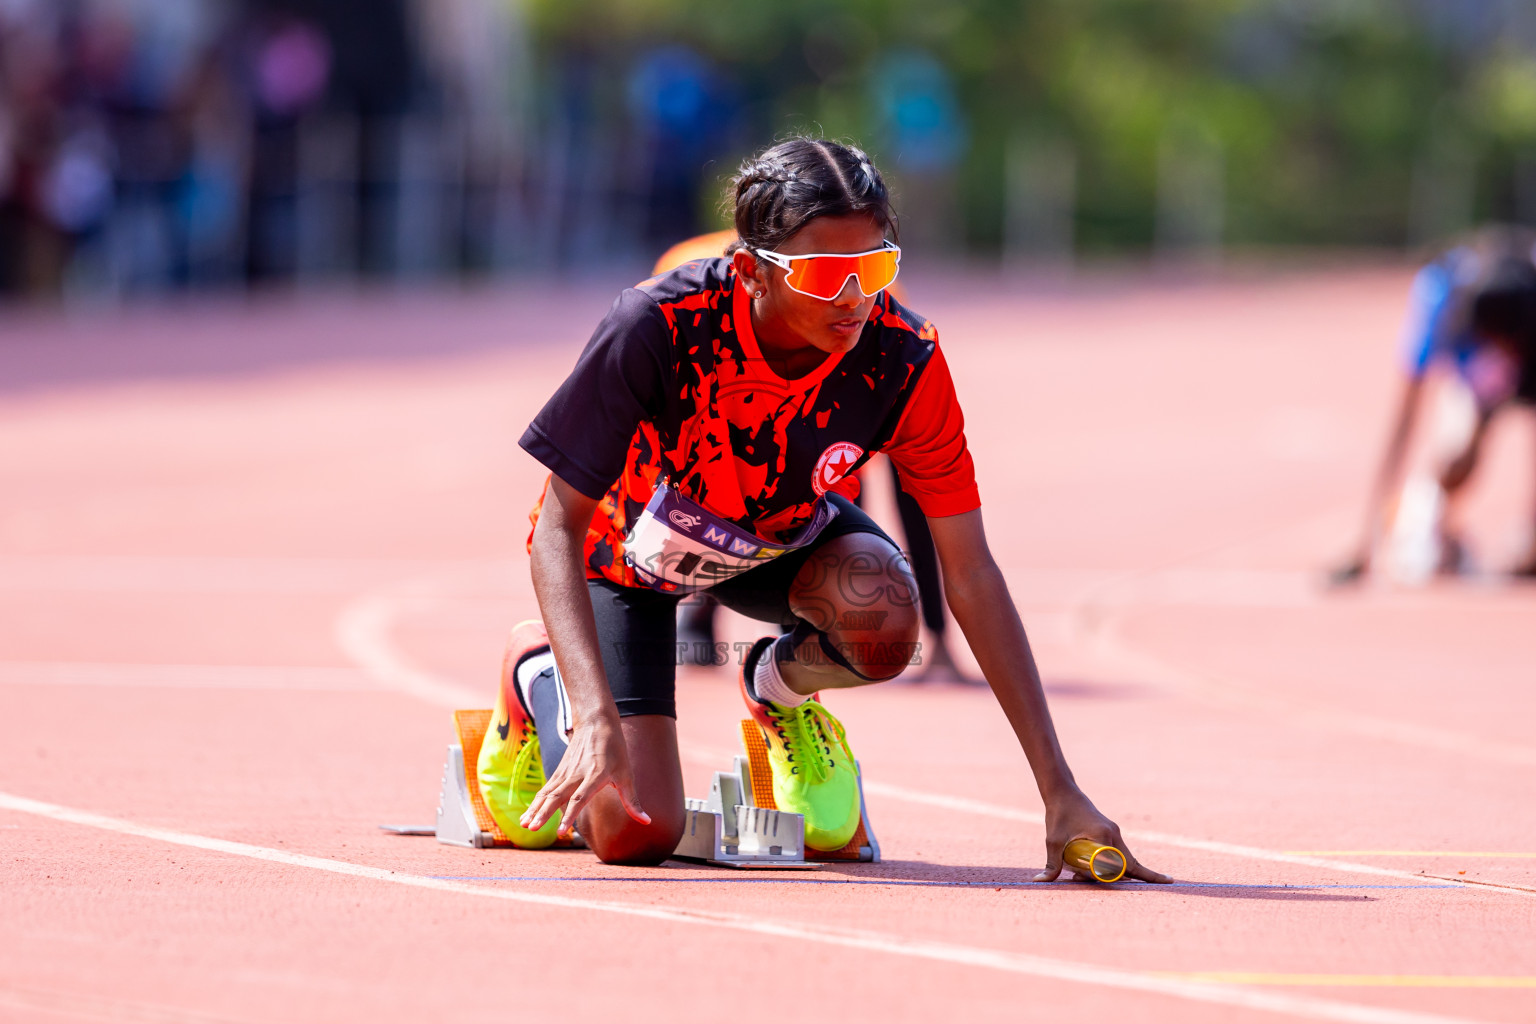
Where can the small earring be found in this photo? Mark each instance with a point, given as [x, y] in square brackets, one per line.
[758, 293]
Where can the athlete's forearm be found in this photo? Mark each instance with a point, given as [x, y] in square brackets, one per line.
[1389, 472]
[986, 614]
[560, 584]
[1533, 490]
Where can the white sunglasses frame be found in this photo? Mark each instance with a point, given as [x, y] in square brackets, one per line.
[781, 261]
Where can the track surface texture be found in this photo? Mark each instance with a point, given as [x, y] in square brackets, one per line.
[251, 555]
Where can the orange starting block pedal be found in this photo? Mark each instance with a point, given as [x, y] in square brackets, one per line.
[462, 817]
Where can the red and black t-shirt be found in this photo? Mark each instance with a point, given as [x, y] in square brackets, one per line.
[672, 386]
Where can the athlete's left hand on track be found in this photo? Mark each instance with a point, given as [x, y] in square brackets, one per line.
[595, 759]
[1074, 817]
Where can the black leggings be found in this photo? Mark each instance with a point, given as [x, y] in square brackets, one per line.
[923, 556]
[637, 626]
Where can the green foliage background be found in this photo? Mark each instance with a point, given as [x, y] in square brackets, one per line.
[1323, 109]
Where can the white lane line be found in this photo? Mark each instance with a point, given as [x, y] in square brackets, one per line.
[1327, 863]
[81, 1005]
[234, 575]
[848, 938]
[1113, 645]
[969, 806]
[1412, 853]
[1098, 619]
[184, 677]
[363, 631]
[1359, 980]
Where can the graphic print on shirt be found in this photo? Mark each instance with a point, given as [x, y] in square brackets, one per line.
[673, 388]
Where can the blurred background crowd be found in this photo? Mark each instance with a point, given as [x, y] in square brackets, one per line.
[157, 145]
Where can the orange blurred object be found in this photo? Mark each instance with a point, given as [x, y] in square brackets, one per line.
[699, 247]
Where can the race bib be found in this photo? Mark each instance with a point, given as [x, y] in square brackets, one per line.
[677, 546]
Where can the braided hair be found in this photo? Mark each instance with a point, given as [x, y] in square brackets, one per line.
[785, 187]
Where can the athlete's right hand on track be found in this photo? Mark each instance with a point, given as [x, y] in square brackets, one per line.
[1349, 573]
[1074, 817]
[595, 758]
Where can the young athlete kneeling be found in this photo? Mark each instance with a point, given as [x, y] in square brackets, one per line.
[701, 442]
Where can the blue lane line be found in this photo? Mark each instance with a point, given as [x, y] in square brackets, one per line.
[908, 881]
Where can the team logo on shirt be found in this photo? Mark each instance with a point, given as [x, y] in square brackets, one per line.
[833, 465]
[683, 519]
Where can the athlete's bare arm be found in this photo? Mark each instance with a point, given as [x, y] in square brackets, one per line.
[1388, 479]
[979, 597]
[1526, 566]
[597, 756]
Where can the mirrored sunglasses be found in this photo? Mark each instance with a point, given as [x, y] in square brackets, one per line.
[823, 275]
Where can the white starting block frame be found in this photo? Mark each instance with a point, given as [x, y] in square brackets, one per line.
[729, 829]
[456, 824]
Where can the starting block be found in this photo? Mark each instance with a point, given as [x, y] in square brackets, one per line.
[738, 825]
[462, 817]
[726, 828]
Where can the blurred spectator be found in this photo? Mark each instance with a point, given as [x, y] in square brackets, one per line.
[923, 128]
[141, 64]
[156, 144]
[286, 69]
[32, 38]
[682, 110]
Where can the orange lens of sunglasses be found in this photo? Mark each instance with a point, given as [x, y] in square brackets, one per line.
[823, 277]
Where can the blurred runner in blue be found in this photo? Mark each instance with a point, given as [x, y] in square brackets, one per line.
[1472, 321]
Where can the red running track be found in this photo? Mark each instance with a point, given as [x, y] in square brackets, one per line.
[250, 555]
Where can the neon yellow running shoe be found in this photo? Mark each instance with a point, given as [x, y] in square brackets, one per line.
[510, 767]
[814, 774]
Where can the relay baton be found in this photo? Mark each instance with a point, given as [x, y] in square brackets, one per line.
[1086, 857]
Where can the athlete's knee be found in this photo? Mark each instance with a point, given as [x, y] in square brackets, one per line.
[881, 633]
[902, 620]
[637, 844]
[881, 653]
[639, 852]
[617, 838]
[880, 661]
